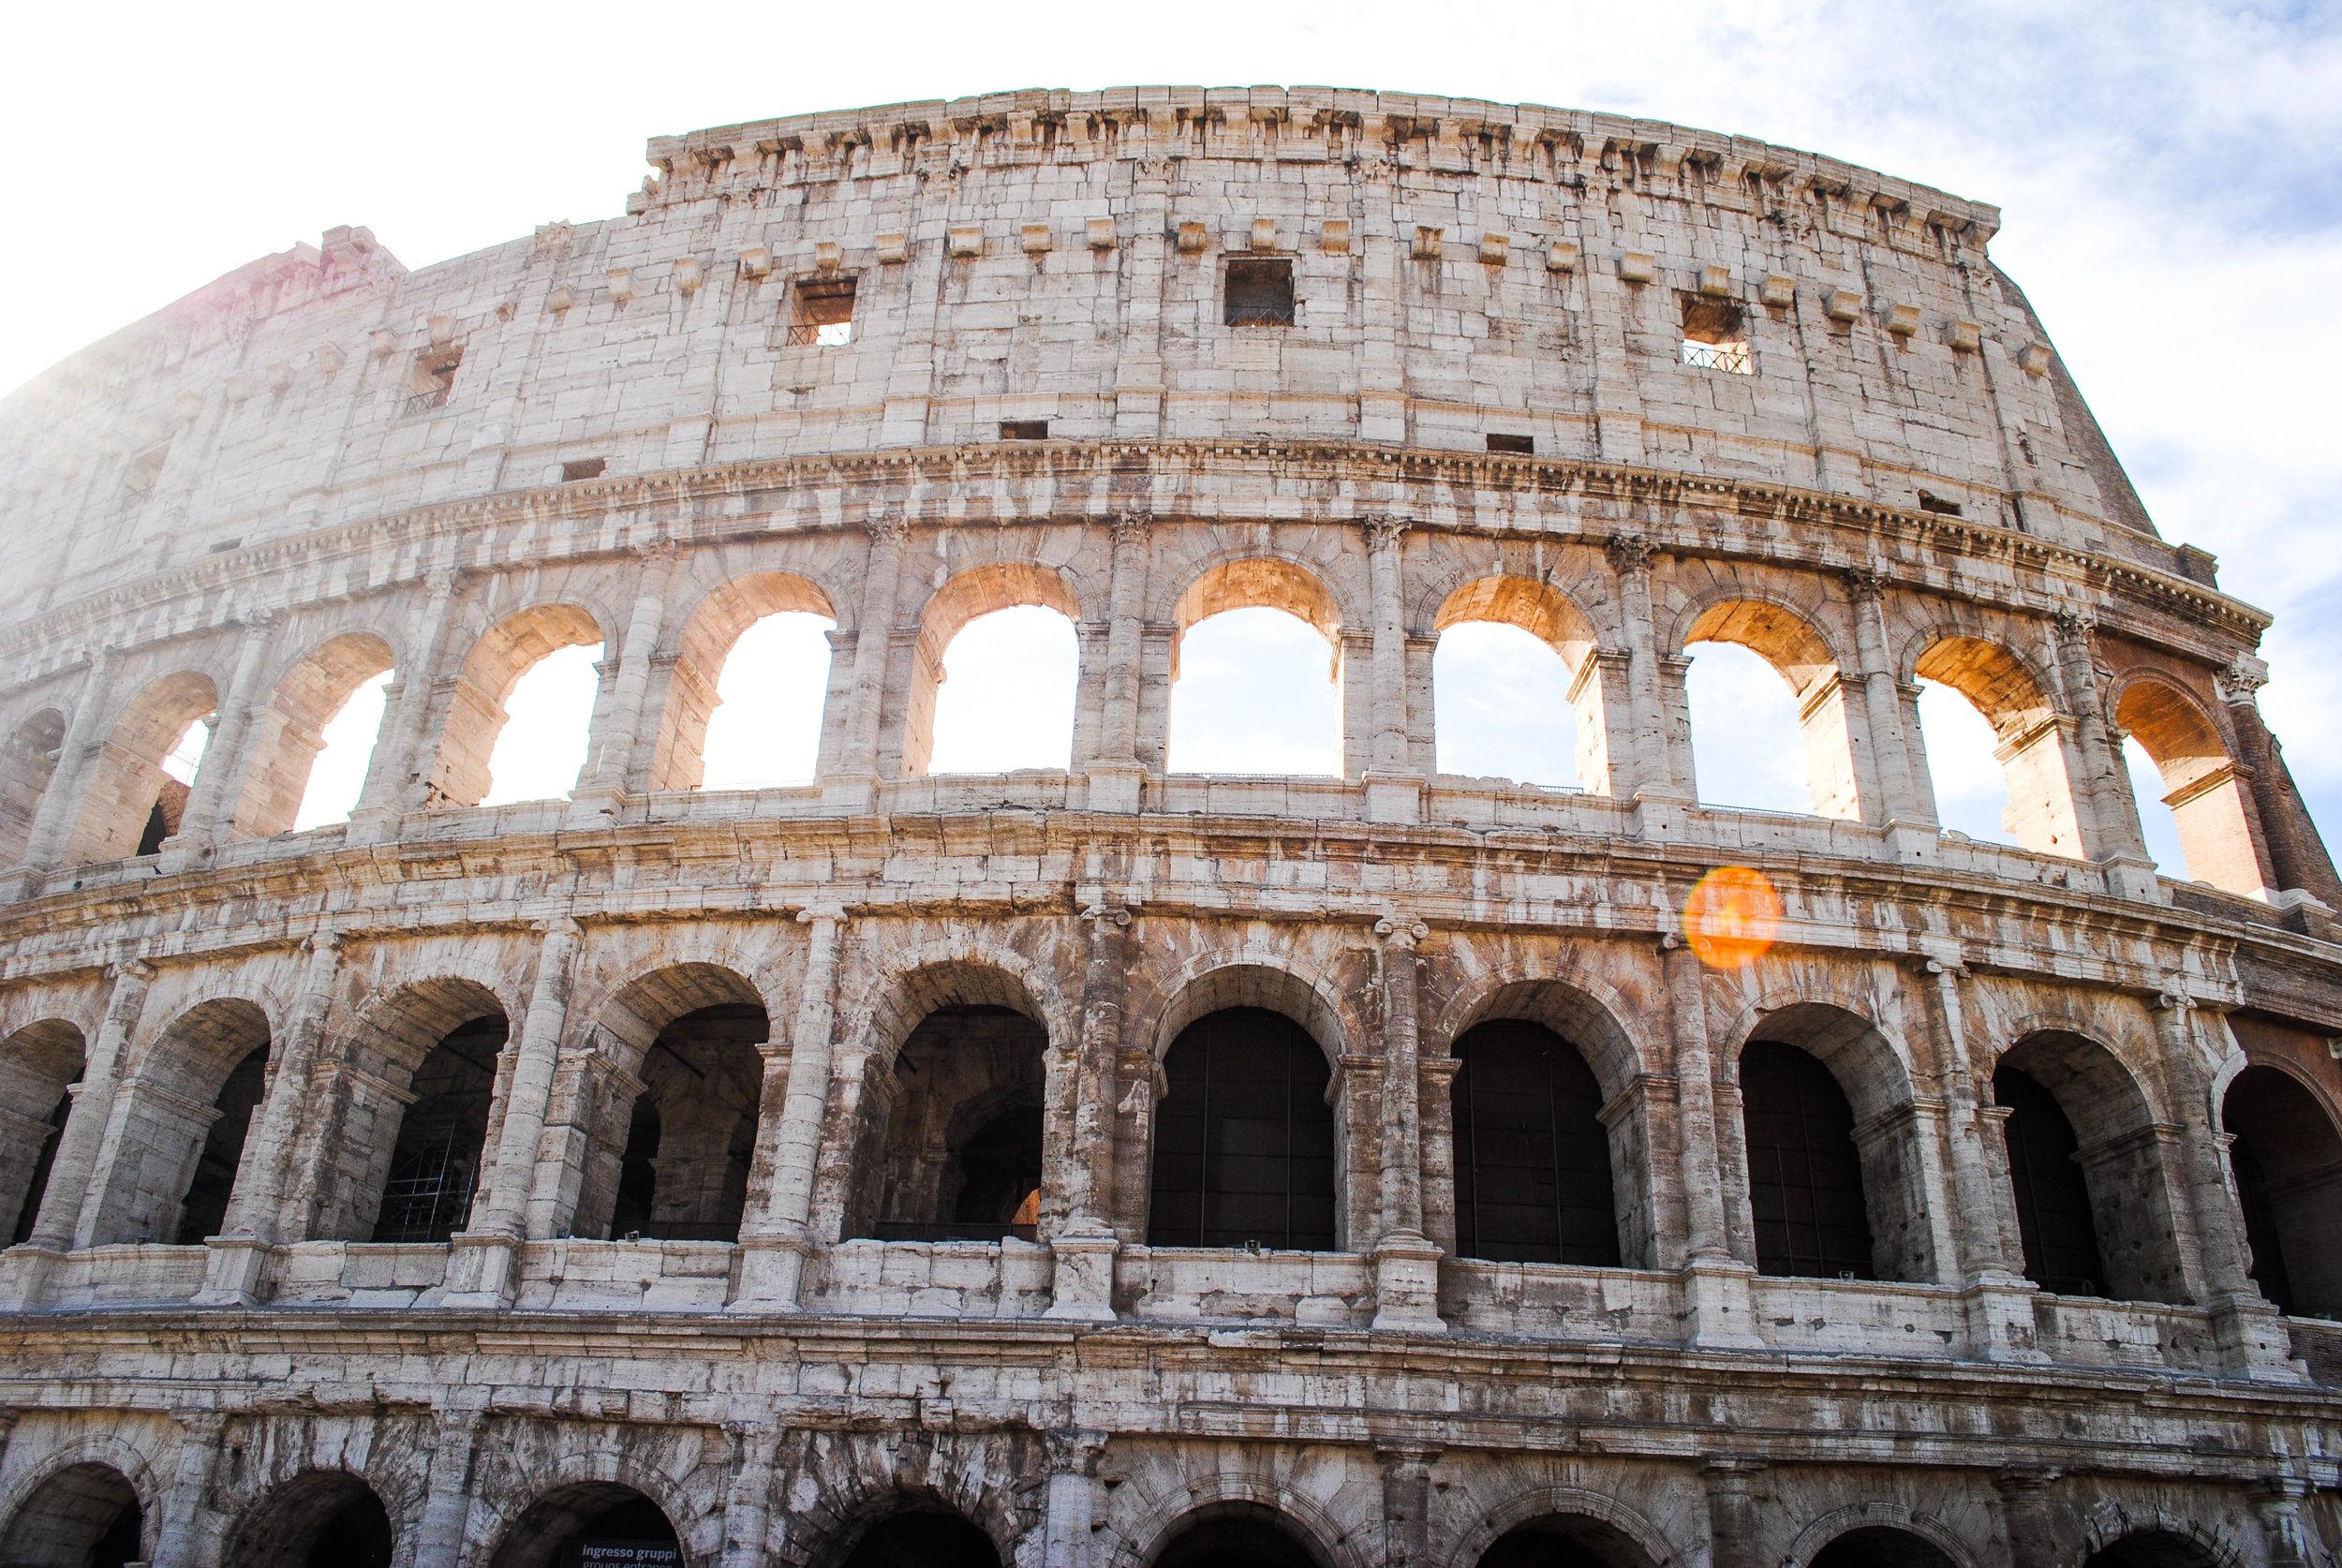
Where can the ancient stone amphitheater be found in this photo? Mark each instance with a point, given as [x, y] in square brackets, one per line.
[1106, 1166]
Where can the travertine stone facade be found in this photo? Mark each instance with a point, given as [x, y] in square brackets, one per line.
[1485, 407]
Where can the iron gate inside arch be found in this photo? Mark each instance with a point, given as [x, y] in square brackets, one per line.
[1532, 1163]
[1244, 1141]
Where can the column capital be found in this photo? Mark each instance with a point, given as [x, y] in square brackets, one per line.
[2074, 622]
[1630, 553]
[1102, 915]
[557, 926]
[1383, 531]
[1866, 584]
[657, 554]
[2238, 682]
[2173, 997]
[1401, 931]
[887, 527]
[2020, 1479]
[130, 968]
[260, 621]
[1130, 528]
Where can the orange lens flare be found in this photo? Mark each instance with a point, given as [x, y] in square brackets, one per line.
[1731, 917]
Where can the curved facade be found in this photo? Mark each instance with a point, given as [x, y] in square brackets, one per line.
[1104, 1166]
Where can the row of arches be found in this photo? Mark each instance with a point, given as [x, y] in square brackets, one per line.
[1542, 1147]
[1762, 708]
[90, 1515]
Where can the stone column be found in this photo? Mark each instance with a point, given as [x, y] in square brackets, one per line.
[180, 1531]
[1084, 1247]
[255, 1215]
[1406, 1264]
[1895, 759]
[1068, 1539]
[2112, 833]
[855, 782]
[774, 1253]
[213, 796]
[2279, 1504]
[396, 768]
[1647, 770]
[2025, 1516]
[1382, 370]
[1406, 1505]
[748, 1507]
[1117, 778]
[1715, 1278]
[2298, 864]
[2250, 1333]
[1731, 1511]
[611, 775]
[1394, 793]
[52, 819]
[447, 1503]
[24, 1276]
[480, 1267]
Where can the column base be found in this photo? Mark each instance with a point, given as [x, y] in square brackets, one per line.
[2127, 876]
[771, 1272]
[1407, 1285]
[1082, 1287]
[481, 1272]
[856, 793]
[1120, 788]
[24, 1273]
[377, 825]
[2000, 1308]
[1914, 843]
[1717, 1308]
[2253, 1342]
[1659, 815]
[232, 1272]
[1393, 797]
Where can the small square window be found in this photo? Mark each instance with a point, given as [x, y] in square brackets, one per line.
[1024, 430]
[1522, 445]
[1715, 336]
[1937, 504]
[583, 469]
[434, 376]
[1259, 293]
[823, 316]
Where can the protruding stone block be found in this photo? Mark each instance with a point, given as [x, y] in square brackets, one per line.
[621, 283]
[1263, 234]
[1965, 336]
[1428, 244]
[828, 256]
[687, 274]
[1715, 281]
[1637, 266]
[1780, 291]
[1843, 304]
[1100, 233]
[756, 261]
[894, 249]
[1034, 238]
[1193, 237]
[1562, 256]
[1903, 321]
[1333, 236]
[966, 240]
[1494, 247]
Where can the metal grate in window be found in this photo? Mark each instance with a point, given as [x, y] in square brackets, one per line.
[2054, 1216]
[1731, 357]
[1532, 1163]
[1804, 1177]
[1244, 1141]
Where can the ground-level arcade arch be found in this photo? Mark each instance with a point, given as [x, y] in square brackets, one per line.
[319, 1519]
[581, 1510]
[88, 1514]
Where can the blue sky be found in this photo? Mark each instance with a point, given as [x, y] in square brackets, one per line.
[2169, 174]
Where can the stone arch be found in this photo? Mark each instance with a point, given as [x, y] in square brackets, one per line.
[2115, 1537]
[330, 1514]
[860, 1483]
[38, 1064]
[679, 1041]
[2285, 1159]
[1257, 581]
[2129, 1156]
[1877, 1534]
[369, 1093]
[1214, 982]
[1888, 1137]
[2029, 735]
[475, 713]
[287, 731]
[28, 758]
[572, 1508]
[178, 1127]
[78, 1509]
[1555, 619]
[523, 1463]
[2204, 788]
[126, 784]
[964, 597]
[679, 760]
[1170, 1514]
[1797, 650]
[1628, 1539]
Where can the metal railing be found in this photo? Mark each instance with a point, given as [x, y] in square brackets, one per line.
[1731, 357]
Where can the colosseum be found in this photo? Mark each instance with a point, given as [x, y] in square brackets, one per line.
[849, 1173]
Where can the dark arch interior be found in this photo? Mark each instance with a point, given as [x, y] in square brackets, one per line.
[690, 1137]
[37, 1188]
[2286, 1158]
[923, 1540]
[1001, 1174]
[953, 1126]
[2054, 1213]
[214, 1181]
[583, 1515]
[1244, 1140]
[1533, 1160]
[87, 1516]
[1563, 1541]
[1877, 1546]
[436, 1164]
[2155, 1548]
[1804, 1175]
[319, 1520]
[1239, 1536]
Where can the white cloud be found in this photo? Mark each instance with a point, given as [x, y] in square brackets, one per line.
[542, 744]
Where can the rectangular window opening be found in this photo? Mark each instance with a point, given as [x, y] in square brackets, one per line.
[1524, 446]
[1715, 336]
[583, 469]
[1024, 430]
[823, 316]
[1260, 292]
[1937, 505]
[435, 375]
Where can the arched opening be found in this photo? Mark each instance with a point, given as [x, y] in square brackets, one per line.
[1533, 1159]
[1237, 1535]
[320, 1518]
[1565, 1541]
[683, 1174]
[924, 1539]
[136, 795]
[1244, 1146]
[1513, 654]
[86, 1517]
[746, 706]
[2053, 1215]
[993, 684]
[1995, 750]
[1881, 1547]
[953, 1126]
[2154, 1548]
[1754, 746]
[2121, 1158]
[1256, 673]
[39, 1065]
[441, 1136]
[587, 1516]
[2197, 782]
[2286, 1158]
[307, 764]
[27, 761]
[519, 722]
[215, 1179]
[1806, 1189]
